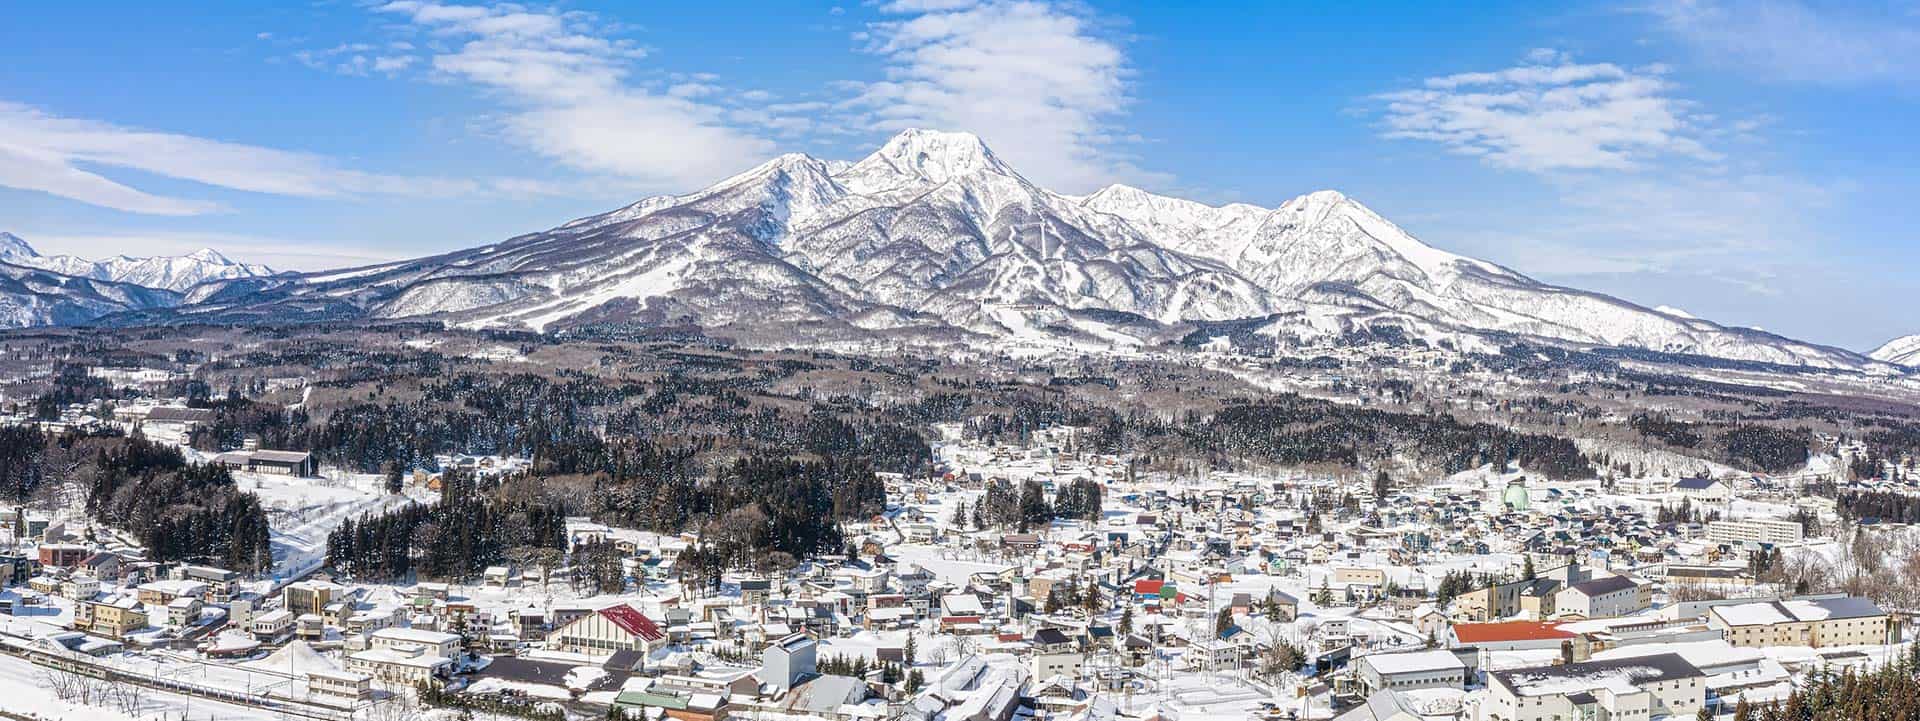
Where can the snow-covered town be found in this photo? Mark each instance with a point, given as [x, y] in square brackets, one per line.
[959, 360]
[1488, 595]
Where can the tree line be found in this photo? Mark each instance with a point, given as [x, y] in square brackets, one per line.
[456, 537]
[180, 511]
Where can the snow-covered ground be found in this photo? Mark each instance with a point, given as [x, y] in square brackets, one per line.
[302, 511]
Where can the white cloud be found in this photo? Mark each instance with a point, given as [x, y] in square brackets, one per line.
[692, 90]
[1551, 116]
[56, 155]
[571, 97]
[922, 6]
[1032, 79]
[1836, 44]
[1640, 193]
[1743, 228]
[393, 63]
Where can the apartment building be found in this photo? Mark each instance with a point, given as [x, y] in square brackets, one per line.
[1756, 530]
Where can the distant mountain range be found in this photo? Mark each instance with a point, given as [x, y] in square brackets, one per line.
[34, 297]
[174, 273]
[934, 237]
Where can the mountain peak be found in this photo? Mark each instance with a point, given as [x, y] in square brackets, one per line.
[1319, 200]
[210, 255]
[1119, 191]
[783, 163]
[935, 155]
[11, 246]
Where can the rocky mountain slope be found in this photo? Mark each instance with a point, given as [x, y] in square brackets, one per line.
[36, 297]
[933, 236]
[174, 273]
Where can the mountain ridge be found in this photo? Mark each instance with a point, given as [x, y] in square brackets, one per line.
[1903, 351]
[175, 273]
[32, 297]
[934, 235]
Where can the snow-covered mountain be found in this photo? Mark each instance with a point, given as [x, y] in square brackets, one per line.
[174, 273]
[934, 234]
[36, 297]
[1904, 351]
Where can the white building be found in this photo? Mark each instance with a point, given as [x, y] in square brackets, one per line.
[1599, 598]
[1055, 655]
[399, 665]
[786, 662]
[443, 645]
[1703, 489]
[1632, 689]
[80, 588]
[1406, 671]
[342, 685]
[615, 628]
[1816, 623]
[184, 611]
[272, 624]
[1756, 530]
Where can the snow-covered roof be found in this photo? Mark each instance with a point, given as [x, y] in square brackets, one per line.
[1413, 662]
[1620, 676]
[1766, 613]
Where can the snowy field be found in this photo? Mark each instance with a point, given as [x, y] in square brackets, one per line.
[302, 511]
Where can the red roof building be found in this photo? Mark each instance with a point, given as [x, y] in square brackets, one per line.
[1510, 635]
[615, 628]
[633, 622]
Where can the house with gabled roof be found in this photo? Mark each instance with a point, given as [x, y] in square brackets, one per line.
[619, 627]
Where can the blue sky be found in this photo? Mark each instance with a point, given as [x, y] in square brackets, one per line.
[1749, 163]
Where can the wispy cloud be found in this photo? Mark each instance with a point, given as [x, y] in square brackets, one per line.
[1550, 114]
[1642, 188]
[1033, 79]
[1740, 228]
[569, 88]
[43, 152]
[1837, 44]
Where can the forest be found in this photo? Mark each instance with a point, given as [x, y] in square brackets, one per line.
[181, 511]
[458, 536]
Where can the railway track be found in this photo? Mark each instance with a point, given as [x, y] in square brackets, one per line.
[20, 647]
